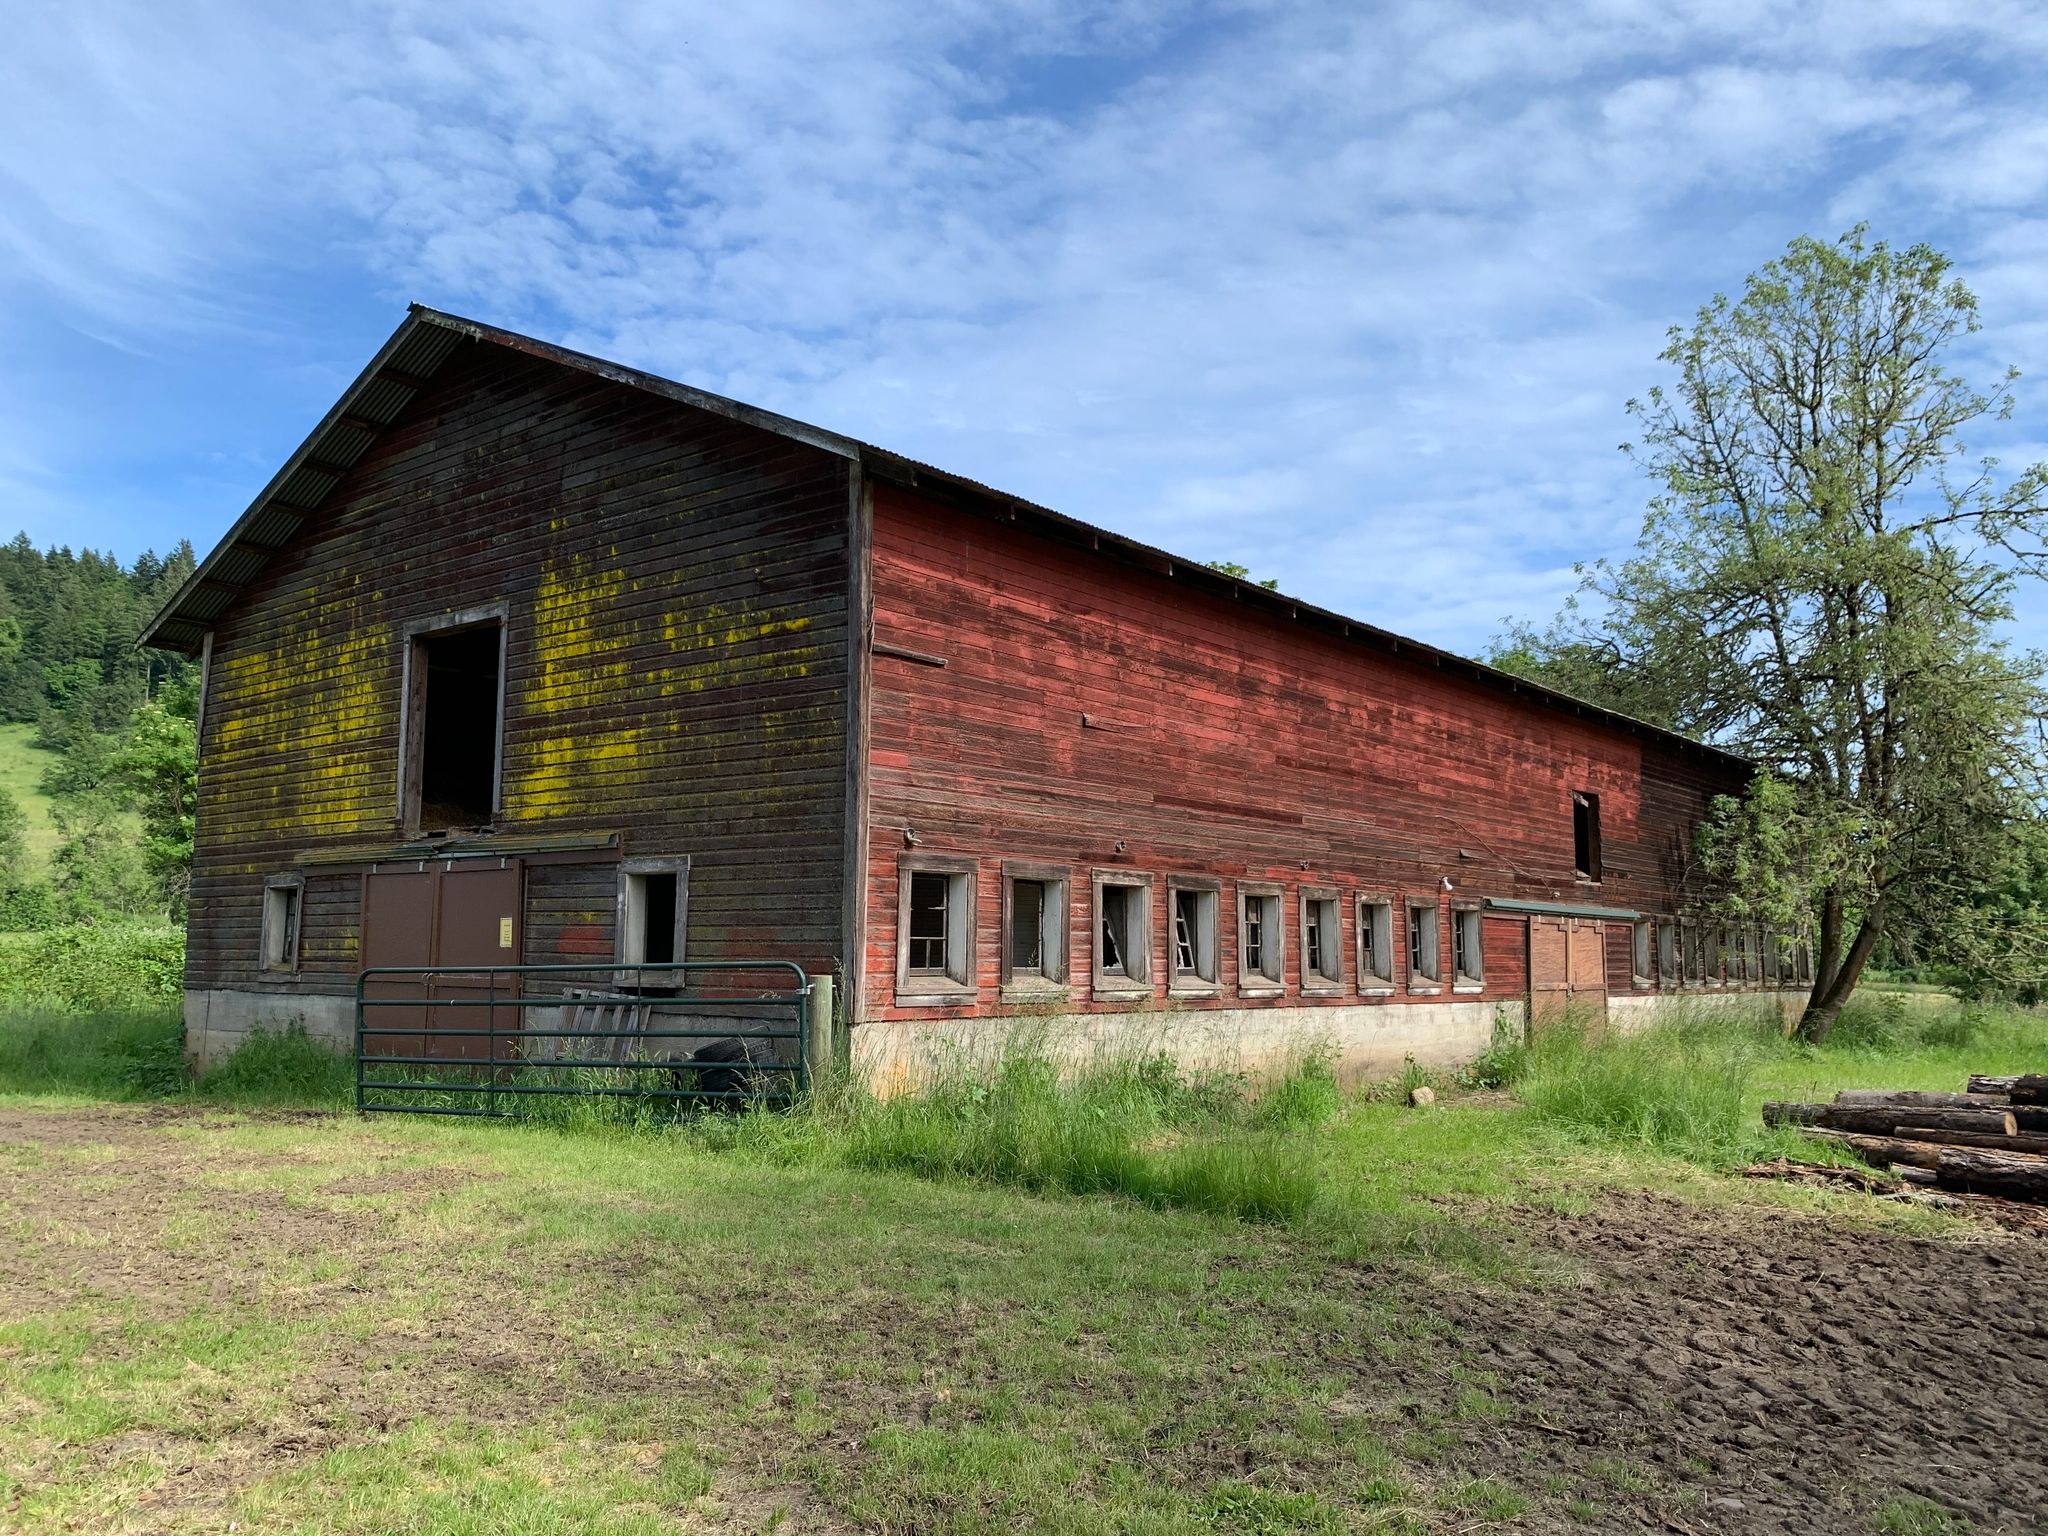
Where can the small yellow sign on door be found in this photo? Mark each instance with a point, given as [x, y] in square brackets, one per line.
[504, 933]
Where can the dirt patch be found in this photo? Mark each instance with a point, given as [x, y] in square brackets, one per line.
[1772, 1371]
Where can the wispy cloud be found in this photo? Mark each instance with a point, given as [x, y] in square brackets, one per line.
[1350, 294]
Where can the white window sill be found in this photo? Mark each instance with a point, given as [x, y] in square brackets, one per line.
[1193, 989]
[1379, 989]
[1121, 991]
[1261, 988]
[1469, 988]
[952, 995]
[1424, 988]
[1035, 990]
[1323, 989]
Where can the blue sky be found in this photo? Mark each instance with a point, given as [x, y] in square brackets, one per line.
[1352, 294]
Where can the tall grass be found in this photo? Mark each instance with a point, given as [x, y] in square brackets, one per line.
[127, 1054]
[1680, 1087]
[1136, 1127]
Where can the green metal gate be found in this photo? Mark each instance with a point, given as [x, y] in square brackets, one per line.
[502, 1040]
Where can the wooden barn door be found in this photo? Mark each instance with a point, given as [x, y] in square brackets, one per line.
[1567, 972]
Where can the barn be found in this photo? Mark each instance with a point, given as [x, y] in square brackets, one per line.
[525, 658]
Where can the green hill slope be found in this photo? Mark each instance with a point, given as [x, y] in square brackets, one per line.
[21, 770]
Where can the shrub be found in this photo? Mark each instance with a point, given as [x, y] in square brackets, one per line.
[115, 1054]
[92, 967]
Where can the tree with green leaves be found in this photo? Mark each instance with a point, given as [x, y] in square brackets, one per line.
[1821, 584]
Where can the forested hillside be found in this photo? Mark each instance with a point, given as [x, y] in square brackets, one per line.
[108, 744]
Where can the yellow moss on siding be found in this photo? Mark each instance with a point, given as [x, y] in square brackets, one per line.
[319, 701]
[584, 644]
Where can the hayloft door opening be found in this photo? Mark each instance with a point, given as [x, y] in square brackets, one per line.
[454, 722]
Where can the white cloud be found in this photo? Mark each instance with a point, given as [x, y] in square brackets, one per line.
[1350, 294]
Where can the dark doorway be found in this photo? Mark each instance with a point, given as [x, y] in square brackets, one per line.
[456, 717]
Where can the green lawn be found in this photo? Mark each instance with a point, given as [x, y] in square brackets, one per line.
[228, 1313]
[22, 763]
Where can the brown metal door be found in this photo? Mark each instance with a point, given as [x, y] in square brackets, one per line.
[479, 929]
[1567, 973]
[398, 929]
[463, 918]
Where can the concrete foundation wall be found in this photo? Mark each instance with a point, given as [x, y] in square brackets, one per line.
[1630, 1012]
[1367, 1040]
[217, 1020]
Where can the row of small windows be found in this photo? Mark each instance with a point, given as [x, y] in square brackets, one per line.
[1692, 954]
[936, 919]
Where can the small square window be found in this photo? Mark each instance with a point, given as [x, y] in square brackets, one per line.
[653, 911]
[1586, 835]
[1123, 933]
[282, 903]
[1468, 964]
[1322, 942]
[1375, 944]
[1424, 968]
[1034, 927]
[1192, 942]
[1261, 941]
[935, 929]
[1639, 953]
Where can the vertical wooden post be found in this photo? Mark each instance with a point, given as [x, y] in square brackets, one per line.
[819, 1060]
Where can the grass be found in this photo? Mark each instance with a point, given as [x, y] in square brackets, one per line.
[1131, 1299]
[22, 764]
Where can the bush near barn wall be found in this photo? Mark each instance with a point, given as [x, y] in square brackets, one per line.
[112, 965]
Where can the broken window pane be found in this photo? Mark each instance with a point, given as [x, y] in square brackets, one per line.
[929, 917]
[1027, 927]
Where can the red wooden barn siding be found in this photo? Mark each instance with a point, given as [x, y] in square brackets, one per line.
[1232, 743]
[676, 670]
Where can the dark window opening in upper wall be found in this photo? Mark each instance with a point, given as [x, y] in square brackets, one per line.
[458, 720]
[1585, 835]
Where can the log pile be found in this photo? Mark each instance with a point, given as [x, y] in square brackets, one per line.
[1991, 1140]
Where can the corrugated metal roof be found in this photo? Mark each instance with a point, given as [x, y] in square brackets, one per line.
[423, 343]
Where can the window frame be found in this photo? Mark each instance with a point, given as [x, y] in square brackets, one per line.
[1467, 915]
[1197, 985]
[1054, 925]
[1374, 913]
[1121, 986]
[1588, 871]
[629, 906]
[275, 886]
[1324, 982]
[1423, 983]
[1670, 962]
[1270, 979]
[959, 982]
[412, 700]
[1642, 958]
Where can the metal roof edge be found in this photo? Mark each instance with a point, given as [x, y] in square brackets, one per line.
[916, 475]
[638, 378]
[1560, 909]
[203, 571]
